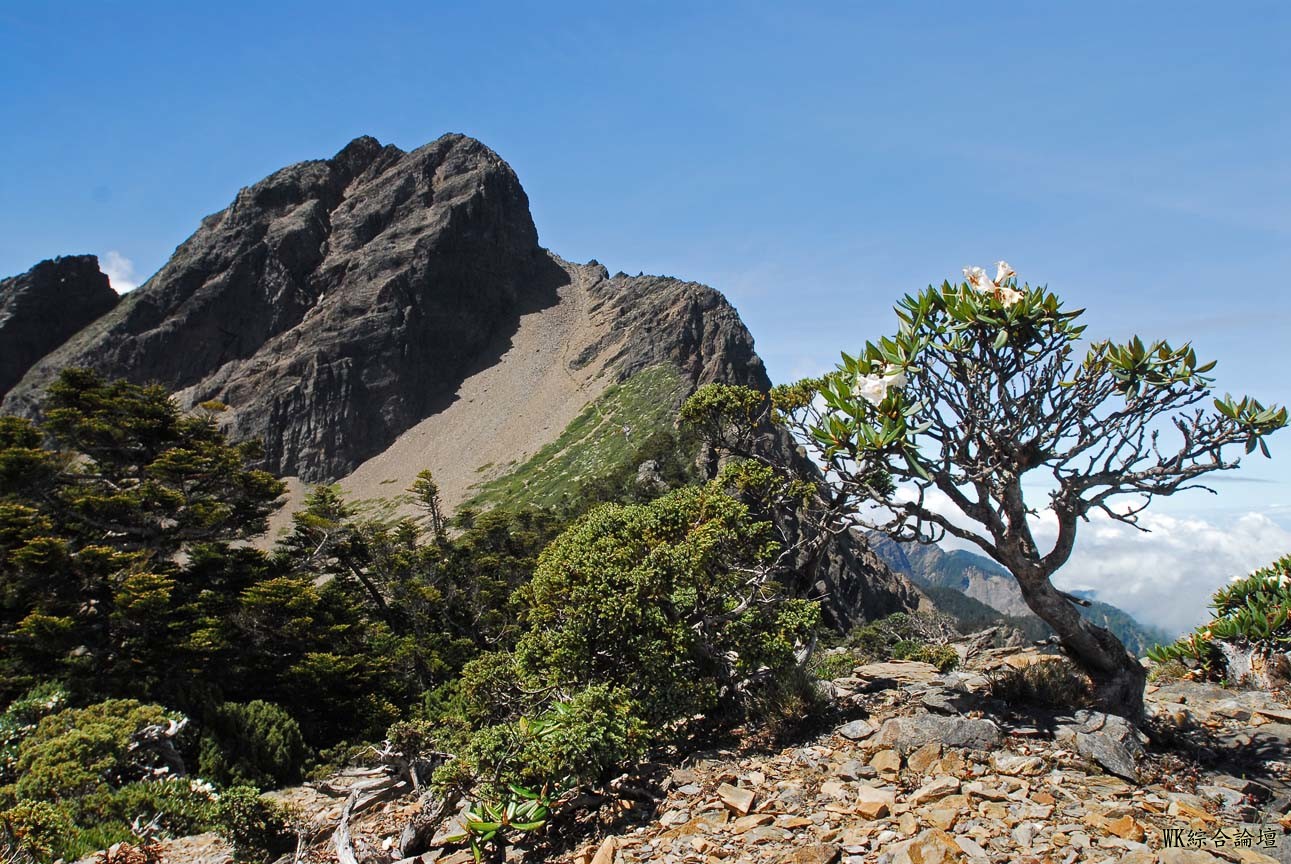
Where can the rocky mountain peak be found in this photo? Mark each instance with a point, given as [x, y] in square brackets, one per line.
[382, 312]
[43, 307]
[332, 303]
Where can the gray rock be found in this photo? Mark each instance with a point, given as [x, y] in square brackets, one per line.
[856, 730]
[46, 306]
[935, 700]
[850, 770]
[1110, 741]
[910, 733]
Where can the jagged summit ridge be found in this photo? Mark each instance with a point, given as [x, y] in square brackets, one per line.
[337, 303]
[43, 307]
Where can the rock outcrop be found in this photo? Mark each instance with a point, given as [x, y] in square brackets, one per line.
[657, 319]
[42, 308]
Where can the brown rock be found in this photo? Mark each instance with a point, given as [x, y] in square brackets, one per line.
[606, 853]
[981, 790]
[952, 762]
[739, 800]
[1189, 812]
[753, 820]
[933, 846]
[1126, 828]
[874, 803]
[954, 802]
[994, 810]
[921, 760]
[887, 763]
[816, 853]
[938, 788]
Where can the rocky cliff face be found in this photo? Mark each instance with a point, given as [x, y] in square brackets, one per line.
[334, 303]
[656, 319]
[44, 307]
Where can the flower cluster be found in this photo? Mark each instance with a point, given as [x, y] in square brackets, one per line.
[999, 287]
[873, 388]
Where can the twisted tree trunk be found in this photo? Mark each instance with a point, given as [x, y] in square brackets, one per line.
[1119, 678]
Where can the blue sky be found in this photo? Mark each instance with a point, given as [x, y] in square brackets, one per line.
[812, 161]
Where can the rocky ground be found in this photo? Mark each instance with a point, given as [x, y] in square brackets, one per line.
[926, 767]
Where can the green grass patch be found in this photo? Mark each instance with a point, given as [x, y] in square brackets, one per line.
[594, 445]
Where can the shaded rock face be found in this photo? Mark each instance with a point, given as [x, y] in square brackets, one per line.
[334, 303]
[853, 584]
[44, 307]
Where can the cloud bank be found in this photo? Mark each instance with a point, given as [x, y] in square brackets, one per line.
[120, 271]
[1164, 577]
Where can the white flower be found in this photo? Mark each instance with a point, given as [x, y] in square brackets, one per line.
[201, 787]
[871, 388]
[997, 287]
[976, 277]
[895, 376]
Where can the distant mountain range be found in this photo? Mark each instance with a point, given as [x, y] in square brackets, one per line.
[977, 592]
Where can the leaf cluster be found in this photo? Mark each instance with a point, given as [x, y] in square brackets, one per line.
[1253, 614]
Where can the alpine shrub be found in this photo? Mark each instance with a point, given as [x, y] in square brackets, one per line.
[254, 744]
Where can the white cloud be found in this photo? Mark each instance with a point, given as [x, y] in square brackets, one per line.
[120, 271]
[1164, 577]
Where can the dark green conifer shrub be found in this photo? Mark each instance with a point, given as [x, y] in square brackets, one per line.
[254, 744]
[254, 826]
[79, 755]
[643, 622]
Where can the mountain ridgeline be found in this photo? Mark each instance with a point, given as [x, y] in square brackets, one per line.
[978, 593]
[382, 312]
[42, 308]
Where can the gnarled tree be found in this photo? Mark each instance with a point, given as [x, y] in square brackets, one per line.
[982, 390]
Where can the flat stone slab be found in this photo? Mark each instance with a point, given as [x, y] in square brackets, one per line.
[905, 734]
